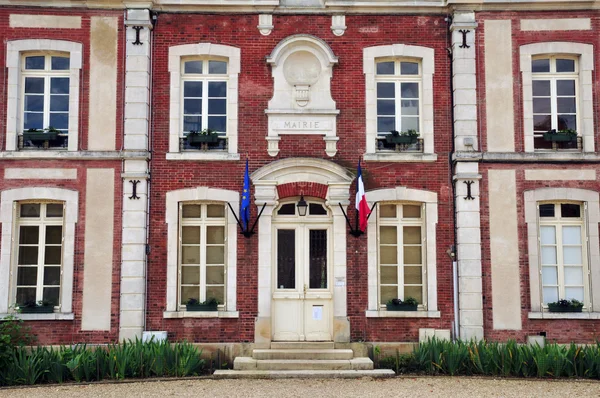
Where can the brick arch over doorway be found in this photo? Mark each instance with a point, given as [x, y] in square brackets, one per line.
[302, 188]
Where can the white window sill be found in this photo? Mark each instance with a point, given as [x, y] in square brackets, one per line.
[56, 316]
[564, 315]
[200, 314]
[402, 314]
[200, 155]
[73, 155]
[400, 157]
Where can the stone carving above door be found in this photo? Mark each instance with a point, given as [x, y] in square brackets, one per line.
[302, 67]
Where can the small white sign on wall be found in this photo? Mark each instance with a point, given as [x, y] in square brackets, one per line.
[317, 312]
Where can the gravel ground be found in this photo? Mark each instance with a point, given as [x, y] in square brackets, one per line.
[397, 387]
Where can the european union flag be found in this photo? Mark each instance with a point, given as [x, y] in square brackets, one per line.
[245, 208]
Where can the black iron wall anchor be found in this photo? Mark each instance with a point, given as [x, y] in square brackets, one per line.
[469, 196]
[464, 43]
[137, 41]
[134, 194]
[247, 232]
[356, 232]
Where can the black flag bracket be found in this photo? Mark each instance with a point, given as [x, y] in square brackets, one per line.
[356, 232]
[246, 232]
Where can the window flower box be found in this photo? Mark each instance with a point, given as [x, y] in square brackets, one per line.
[565, 306]
[409, 137]
[41, 307]
[40, 136]
[409, 304]
[195, 138]
[208, 305]
[560, 136]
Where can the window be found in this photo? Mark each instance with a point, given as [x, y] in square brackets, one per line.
[204, 101]
[554, 88]
[203, 95]
[563, 258]
[39, 252]
[398, 104]
[557, 94]
[401, 252]
[399, 97]
[45, 87]
[203, 253]
[45, 74]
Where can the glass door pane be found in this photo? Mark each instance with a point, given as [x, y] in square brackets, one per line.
[286, 259]
[318, 258]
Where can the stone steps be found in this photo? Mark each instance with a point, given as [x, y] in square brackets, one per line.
[325, 354]
[245, 363]
[302, 374]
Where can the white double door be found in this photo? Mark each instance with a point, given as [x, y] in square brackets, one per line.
[302, 293]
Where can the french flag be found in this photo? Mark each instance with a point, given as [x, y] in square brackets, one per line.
[361, 201]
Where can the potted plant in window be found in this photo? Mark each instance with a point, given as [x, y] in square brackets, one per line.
[560, 135]
[41, 307]
[196, 138]
[405, 137]
[408, 304]
[210, 304]
[565, 306]
[37, 136]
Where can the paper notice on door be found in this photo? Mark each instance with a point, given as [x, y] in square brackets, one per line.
[317, 312]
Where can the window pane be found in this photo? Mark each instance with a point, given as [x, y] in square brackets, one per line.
[192, 123]
[409, 90]
[388, 275]
[34, 103]
[54, 210]
[412, 235]
[565, 65]
[386, 107]
[192, 89]
[385, 68]
[542, 122]
[59, 85]
[388, 293]
[572, 255]
[567, 122]
[571, 235]
[570, 210]
[566, 105]
[548, 235]
[549, 255]
[37, 62]
[387, 235]
[217, 89]
[386, 90]
[541, 105]
[318, 259]
[547, 210]
[411, 211]
[540, 65]
[412, 255]
[288, 209]
[215, 211]
[25, 294]
[52, 255]
[34, 85]
[188, 292]
[217, 292]
[574, 293]
[217, 123]
[549, 276]
[215, 235]
[54, 234]
[316, 209]
[59, 103]
[386, 124]
[59, 121]
[33, 121]
[217, 67]
[190, 235]
[192, 67]
[51, 294]
[286, 259]
[30, 210]
[215, 255]
[190, 211]
[29, 235]
[573, 276]
[410, 123]
[190, 275]
[541, 88]
[550, 294]
[190, 255]
[388, 255]
[192, 106]
[409, 68]
[217, 106]
[215, 275]
[60, 63]
[409, 107]
[51, 275]
[28, 255]
[414, 291]
[387, 211]
[27, 276]
[413, 275]
[565, 87]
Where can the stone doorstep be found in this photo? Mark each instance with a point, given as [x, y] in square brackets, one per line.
[302, 374]
[246, 363]
[307, 345]
[303, 354]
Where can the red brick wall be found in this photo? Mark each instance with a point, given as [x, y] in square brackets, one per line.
[255, 90]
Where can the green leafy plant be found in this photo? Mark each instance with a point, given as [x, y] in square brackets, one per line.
[565, 306]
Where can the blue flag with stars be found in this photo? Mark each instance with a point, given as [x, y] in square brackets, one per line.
[245, 208]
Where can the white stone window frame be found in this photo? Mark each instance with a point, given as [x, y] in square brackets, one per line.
[399, 195]
[592, 201]
[585, 117]
[8, 214]
[178, 54]
[426, 57]
[201, 195]
[14, 57]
